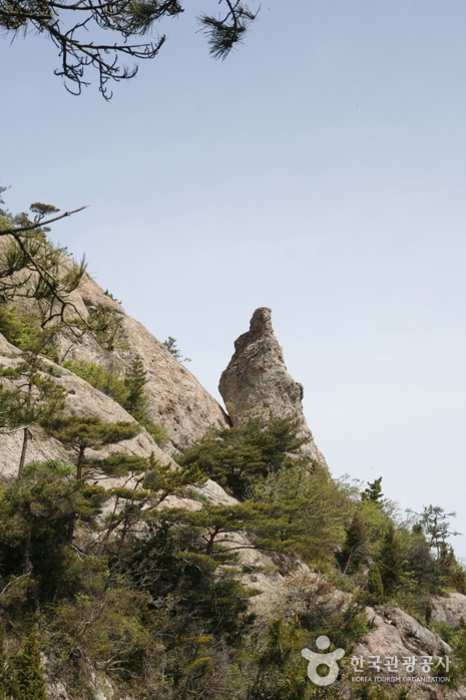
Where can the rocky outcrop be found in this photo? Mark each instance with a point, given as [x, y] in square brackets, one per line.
[256, 381]
[397, 634]
[449, 609]
[177, 400]
[82, 400]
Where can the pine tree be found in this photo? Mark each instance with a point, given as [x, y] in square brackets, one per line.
[428, 612]
[34, 394]
[30, 677]
[375, 585]
[390, 560]
[354, 549]
[136, 401]
[374, 491]
[81, 433]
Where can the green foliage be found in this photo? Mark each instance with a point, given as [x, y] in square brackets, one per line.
[354, 550]
[81, 433]
[299, 512]
[373, 492]
[106, 325]
[32, 268]
[135, 400]
[35, 515]
[436, 526]
[390, 561]
[8, 684]
[30, 677]
[33, 397]
[172, 348]
[186, 570]
[375, 588]
[237, 457]
[24, 330]
[109, 294]
[105, 381]
[282, 673]
[126, 22]
[128, 392]
[451, 573]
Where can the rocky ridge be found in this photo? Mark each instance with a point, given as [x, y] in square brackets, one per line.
[255, 382]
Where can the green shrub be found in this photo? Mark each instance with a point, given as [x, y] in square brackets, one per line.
[23, 329]
[374, 585]
[237, 457]
[128, 392]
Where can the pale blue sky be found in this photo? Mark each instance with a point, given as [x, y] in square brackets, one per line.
[320, 170]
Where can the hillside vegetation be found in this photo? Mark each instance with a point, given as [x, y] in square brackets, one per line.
[131, 582]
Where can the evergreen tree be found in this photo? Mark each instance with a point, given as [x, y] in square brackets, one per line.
[373, 492]
[436, 526]
[136, 401]
[236, 457]
[374, 585]
[390, 560]
[30, 267]
[81, 433]
[173, 349]
[428, 612]
[354, 549]
[34, 396]
[126, 22]
[30, 677]
[35, 517]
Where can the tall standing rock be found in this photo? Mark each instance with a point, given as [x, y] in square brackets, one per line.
[256, 382]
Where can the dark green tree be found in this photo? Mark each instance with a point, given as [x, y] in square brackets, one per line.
[72, 27]
[34, 396]
[373, 491]
[390, 560]
[81, 433]
[235, 457]
[374, 585]
[32, 268]
[136, 401]
[30, 677]
[35, 517]
[172, 348]
[436, 526]
[354, 549]
[428, 612]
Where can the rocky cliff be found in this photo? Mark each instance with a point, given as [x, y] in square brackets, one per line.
[256, 382]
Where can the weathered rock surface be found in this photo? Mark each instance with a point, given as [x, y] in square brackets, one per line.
[256, 381]
[399, 635]
[82, 400]
[176, 398]
[449, 609]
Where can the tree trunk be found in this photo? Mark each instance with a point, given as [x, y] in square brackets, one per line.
[23, 452]
[25, 440]
[79, 472]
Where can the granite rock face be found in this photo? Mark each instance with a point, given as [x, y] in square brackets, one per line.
[82, 400]
[256, 381]
[177, 400]
[449, 609]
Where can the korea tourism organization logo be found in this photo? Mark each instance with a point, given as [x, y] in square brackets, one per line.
[407, 669]
[376, 669]
[330, 660]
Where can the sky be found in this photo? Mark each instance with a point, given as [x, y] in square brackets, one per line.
[320, 170]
